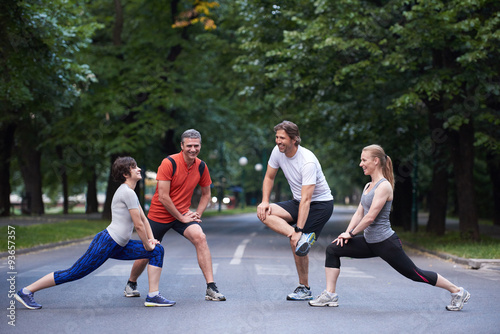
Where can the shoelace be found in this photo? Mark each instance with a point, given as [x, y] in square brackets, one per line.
[455, 300]
[31, 298]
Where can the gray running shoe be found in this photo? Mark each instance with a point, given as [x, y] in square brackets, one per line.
[304, 244]
[214, 294]
[131, 290]
[325, 300]
[300, 293]
[458, 300]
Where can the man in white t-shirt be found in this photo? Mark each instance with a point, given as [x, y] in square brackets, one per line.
[302, 218]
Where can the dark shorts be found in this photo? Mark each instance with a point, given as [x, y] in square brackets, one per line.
[159, 229]
[319, 214]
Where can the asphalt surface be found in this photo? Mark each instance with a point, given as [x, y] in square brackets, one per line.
[255, 270]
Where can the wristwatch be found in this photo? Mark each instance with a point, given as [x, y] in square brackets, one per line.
[350, 233]
[298, 229]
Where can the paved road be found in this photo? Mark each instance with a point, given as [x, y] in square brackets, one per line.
[255, 270]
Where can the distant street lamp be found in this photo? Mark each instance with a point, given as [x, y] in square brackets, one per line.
[243, 161]
[258, 167]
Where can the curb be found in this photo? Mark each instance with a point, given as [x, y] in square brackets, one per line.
[472, 263]
[45, 247]
[478, 263]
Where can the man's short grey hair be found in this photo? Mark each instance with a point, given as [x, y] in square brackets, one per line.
[191, 133]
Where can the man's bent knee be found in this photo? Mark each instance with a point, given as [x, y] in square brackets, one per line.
[196, 235]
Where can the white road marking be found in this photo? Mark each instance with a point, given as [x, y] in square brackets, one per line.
[117, 270]
[273, 269]
[353, 273]
[240, 250]
[195, 269]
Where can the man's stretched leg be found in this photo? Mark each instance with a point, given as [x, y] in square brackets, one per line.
[137, 269]
[194, 233]
[159, 230]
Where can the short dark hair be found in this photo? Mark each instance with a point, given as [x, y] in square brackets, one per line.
[291, 129]
[122, 166]
[191, 133]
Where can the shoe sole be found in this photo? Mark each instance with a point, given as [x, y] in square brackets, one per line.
[19, 299]
[131, 294]
[149, 304]
[215, 299]
[299, 299]
[329, 304]
[304, 249]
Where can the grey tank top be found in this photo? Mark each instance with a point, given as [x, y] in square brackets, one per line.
[380, 229]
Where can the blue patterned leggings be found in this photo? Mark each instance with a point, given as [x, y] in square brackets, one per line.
[102, 248]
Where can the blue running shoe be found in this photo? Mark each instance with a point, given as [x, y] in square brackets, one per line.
[27, 300]
[158, 300]
[302, 292]
[305, 242]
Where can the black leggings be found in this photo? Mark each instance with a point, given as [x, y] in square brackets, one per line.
[389, 250]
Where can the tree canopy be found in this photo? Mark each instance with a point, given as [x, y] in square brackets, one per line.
[86, 82]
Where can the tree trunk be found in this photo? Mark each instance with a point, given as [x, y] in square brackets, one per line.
[438, 197]
[118, 27]
[403, 192]
[29, 158]
[64, 179]
[92, 205]
[462, 151]
[493, 161]
[6, 142]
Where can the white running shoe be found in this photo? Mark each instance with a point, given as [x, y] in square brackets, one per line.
[458, 300]
[325, 300]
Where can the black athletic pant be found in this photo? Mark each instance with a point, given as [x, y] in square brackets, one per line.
[390, 250]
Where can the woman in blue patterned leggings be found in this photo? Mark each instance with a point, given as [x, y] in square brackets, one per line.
[114, 242]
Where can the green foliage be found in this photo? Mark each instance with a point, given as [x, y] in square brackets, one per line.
[350, 73]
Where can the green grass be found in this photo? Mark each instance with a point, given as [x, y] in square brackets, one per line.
[452, 243]
[40, 234]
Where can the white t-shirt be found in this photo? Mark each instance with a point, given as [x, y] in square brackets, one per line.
[122, 226]
[301, 170]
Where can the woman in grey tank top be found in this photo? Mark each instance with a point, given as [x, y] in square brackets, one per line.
[126, 211]
[378, 239]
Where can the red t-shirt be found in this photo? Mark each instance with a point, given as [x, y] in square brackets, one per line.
[182, 186]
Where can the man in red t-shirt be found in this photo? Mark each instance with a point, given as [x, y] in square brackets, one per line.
[178, 176]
